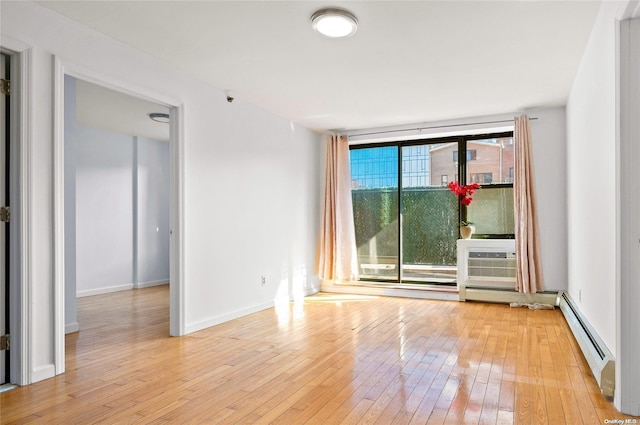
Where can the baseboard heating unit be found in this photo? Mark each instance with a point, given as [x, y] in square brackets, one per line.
[598, 357]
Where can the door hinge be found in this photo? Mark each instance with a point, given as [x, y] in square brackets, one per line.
[5, 86]
[5, 214]
[4, 342]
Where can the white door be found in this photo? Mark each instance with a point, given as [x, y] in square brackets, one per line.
[3, 225]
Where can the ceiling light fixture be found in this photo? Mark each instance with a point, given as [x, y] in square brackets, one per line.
[334, 23]
[159, 117]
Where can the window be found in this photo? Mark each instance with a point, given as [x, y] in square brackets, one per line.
[408, 180]
[471, 155]
[492, 208]
[482, 178]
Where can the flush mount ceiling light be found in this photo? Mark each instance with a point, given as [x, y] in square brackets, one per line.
[158, 117]
[334, 23]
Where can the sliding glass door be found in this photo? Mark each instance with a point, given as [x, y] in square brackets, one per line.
[429, 214]
[374, 184]
[406, 217]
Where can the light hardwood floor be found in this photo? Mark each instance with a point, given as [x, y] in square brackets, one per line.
[333, 359]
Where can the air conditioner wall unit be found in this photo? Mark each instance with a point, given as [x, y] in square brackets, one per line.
[490, 268]
[487, 272]
[486, 263]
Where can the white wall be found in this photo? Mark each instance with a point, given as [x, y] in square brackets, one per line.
[548, 134]
[151, 212]
[602, 133]
[104, 211]
[591, 179]
[252, 181]
[255, 201]
[122, 211]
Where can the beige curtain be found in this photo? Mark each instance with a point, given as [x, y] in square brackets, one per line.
[338, 253]
[529, 277]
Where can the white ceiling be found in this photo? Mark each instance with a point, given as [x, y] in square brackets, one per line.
[409, 62]
[107, 109]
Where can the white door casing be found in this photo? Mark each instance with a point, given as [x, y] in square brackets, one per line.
[627, 393]
[176, 199]
[3, 225]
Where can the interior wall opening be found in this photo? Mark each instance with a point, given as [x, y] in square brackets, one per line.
[116, 193]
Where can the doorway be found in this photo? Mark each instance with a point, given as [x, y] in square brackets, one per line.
[116, 179]
[405, 223]
[4, 219]
[176, 173]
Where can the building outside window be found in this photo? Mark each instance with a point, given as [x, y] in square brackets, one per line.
[471, 155]
[482, 178]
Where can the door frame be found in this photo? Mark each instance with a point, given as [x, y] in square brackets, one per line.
[4, 230]
[176, 195]
[20, 246]
[627, 370]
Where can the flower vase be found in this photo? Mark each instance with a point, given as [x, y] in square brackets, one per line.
[467, 231]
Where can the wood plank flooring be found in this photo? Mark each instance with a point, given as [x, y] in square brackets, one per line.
[333, 359]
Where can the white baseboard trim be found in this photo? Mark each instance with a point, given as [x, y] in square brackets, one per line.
[595, 351]
[41, 373]
[98, 291]
[509, 296]
[70, 328]
[216, 320]
[150, 283]
[359, 288]
[311, 290]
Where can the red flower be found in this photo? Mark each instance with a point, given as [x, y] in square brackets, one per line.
[464, 192]
[456, 188]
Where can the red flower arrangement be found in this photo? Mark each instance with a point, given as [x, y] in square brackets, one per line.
[464, 191]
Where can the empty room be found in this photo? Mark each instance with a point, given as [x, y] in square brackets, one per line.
[354, 212]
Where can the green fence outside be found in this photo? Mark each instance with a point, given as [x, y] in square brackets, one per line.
[430, 225]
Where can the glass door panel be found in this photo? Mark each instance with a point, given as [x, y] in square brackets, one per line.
[374, 191]
[429, 213]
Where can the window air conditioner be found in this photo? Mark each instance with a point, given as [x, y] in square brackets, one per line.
[486, 263]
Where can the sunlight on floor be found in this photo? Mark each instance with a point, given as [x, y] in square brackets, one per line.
[338, 298]
[288, 310]
[290, 288]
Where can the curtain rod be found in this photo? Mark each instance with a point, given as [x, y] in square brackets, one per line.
[432, 127]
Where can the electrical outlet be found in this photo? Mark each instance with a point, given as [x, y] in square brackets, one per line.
[263, 280]
[580, 295]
